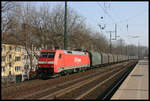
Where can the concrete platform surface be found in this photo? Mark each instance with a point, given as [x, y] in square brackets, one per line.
[136, 85]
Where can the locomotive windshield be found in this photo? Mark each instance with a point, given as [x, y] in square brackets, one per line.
[47, 55]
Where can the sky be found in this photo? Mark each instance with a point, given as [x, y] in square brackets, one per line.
[123, 14]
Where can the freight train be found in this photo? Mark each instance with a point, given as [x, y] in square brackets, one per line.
[52, 62]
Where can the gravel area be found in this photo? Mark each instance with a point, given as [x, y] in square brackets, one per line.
[36, 85]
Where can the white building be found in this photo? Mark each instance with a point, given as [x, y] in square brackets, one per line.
[27, 63]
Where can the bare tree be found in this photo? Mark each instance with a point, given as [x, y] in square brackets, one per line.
[7, 5]
[44, 29]
[6, 9]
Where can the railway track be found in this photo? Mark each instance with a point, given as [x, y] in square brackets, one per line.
[82, 89]
[102, 90]
[33, 85]
[7, 86]
[69, 86]
[77, 87]
[109, 93]
[74, 91]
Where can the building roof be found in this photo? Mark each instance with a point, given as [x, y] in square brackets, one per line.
[10, 39]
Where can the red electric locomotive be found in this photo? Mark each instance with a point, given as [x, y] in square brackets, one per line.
[61, 61]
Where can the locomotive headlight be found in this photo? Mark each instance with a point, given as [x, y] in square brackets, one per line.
[41, 62]
[50, 62]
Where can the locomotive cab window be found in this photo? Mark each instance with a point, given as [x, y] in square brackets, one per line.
[69, 52]
[47, 55]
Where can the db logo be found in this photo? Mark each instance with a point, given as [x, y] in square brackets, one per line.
[77, 59]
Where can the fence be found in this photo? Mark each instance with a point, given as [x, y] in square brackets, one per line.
[11, 79]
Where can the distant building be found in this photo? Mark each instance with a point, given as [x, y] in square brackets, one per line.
[16, 61]
[11, 62]
[26, 61]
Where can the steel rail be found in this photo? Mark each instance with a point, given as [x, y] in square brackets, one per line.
[98, 85]
[75, 86]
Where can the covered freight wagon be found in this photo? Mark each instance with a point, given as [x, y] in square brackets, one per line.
[104, 58]
[95, 58]
[126, 57]
[123, 57]
[129, 57]
[119, 58]
[110, 58]
[115, 58]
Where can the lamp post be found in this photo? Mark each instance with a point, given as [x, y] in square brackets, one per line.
[121, 44]
[65, 26]
[126, 49]
[111, 37]
[110, 40]
[139, 55]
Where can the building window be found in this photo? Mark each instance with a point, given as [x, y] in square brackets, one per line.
[18, 49]
[9, 56]
[17, 68]
[9, 64]
[17, 58]
[3, 48]
[3, 58]
[9, 72]
[3, 69]
[10, 48]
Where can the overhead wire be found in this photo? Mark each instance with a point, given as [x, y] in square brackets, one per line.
[108, 14]
[120, 22]
[129, 18]
[104, 10]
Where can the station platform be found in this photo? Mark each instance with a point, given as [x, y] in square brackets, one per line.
[135, 86]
